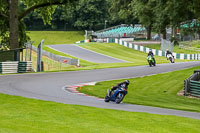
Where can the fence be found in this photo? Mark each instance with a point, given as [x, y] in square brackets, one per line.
[58, 58]
[11, 55]
[51, 62]
[15, 67]
[192, 85]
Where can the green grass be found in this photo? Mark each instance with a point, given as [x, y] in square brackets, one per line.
[134, 57]
[194, 43]
[176, 49]
[22, 115]
[56, 37]
[157, 90]
[121, 52]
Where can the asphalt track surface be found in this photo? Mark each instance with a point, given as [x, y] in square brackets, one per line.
[85, 54]
[49, 86]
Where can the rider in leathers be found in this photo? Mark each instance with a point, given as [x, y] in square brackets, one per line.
[123, 84]
[168, 52]
[151, 54]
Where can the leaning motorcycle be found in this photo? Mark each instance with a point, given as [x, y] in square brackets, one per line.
[171, 58]
[151, 61]
[116, 96]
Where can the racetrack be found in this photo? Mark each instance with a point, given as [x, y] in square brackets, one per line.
[85, 54]
[49, 86]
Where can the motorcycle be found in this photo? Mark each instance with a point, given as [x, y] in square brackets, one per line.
[151, 61]
[171, 58]
[116, 96]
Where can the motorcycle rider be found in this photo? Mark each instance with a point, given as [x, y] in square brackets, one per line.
[169, 52]
[122, 84]
[151, 54]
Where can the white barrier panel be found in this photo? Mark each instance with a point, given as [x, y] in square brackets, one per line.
[120, 42]
[125, 44]
[130, 45]
[147, 50]
[182, 56]
[116, 41]
[154, 51]
[142, 48]
[188, 56]
[174, 54]
[136, 47]
[159, 53]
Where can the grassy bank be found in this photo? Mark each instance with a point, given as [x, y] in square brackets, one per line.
[133, 57]
[121, 52]
[56, 37]
[22, 115]
[157, 90]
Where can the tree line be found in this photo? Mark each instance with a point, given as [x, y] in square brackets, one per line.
[17, 16]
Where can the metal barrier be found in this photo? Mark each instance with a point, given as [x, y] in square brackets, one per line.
[192, 84]
[58, 58]
[15, 67]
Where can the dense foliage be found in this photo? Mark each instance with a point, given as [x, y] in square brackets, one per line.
[12, 26]
[93, 14]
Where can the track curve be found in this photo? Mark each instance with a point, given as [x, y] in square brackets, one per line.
[85, 54]
[47, 86]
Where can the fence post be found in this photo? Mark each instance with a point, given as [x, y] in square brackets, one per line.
[186, 87]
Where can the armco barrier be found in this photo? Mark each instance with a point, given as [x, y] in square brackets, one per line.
[9, 67]
[192, 85]
[15, 67]
[24, 66]
[58, 58]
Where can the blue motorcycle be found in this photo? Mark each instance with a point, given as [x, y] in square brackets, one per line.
[116, 96]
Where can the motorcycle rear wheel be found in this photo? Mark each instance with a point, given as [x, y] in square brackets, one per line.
[170, 58]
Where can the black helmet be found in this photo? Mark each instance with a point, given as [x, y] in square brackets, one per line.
[127, 82]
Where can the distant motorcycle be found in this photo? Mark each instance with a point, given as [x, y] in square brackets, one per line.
[116, 96]
[151, 61]
[171, 58]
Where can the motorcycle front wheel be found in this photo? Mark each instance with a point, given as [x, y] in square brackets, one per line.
[119, 98]
[150, 63]
[107, 99]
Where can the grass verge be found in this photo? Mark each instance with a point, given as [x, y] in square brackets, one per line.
[124, 53]
[22, 115]
[135, 58]
[56, 37]
[158, 90]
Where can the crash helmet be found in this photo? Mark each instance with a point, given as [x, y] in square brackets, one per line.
[127, 82]
[167, 50]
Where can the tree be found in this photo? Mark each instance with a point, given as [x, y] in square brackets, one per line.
[88, 14]
[144, 11]
[9, 12]
[121, 12]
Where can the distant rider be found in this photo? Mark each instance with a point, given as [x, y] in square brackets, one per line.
[169, 52]
[151, 54]
[122, 84]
